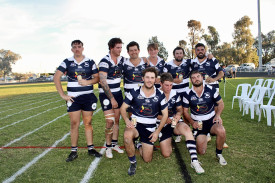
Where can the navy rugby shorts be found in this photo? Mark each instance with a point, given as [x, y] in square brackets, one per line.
[145, 130]
[106, 103]
[86, 102]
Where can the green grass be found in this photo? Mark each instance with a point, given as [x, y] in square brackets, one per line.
[250, 156]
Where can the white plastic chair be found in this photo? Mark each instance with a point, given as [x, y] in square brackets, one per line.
[271, 89]
[252, 95]
[267, 84]
[259, 82]
[254, 105]
[244, 91]
[268, 108]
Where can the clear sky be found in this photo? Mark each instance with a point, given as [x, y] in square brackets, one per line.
[41, 31]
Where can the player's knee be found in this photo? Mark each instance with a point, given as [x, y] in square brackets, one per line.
[128, 137]
[201, 151]
[166, 154]
[88, 126]
[221, 131]
[74, 124]
[147, 159]
[109, 123]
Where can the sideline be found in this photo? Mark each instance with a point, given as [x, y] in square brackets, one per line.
[24, 168]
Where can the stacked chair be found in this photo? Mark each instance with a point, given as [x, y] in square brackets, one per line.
[251, 98]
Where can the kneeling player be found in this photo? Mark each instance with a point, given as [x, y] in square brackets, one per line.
[146, 102]
[174, 126]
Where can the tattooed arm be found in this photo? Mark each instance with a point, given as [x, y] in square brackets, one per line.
[105, 87]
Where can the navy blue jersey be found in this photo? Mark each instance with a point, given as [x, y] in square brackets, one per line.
[86, 68]
[202, 108]
[173, 102]
[183, 69]
[159, 67]
[207, 67]
[132, 75]
[145, 109]
[114, 72]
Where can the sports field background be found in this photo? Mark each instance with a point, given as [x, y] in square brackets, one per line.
[33, 118]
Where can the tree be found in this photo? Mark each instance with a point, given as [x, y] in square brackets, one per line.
[7, 58]
[268, 46]
[183, 44]
[195, 34]
[225, 53]
[162, 50]
[212, 39]
[243, 41]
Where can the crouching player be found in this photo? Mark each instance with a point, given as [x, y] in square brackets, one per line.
[174, 126]
[204, 118]
[146, 102]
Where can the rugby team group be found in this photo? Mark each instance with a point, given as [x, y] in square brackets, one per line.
[158, 101]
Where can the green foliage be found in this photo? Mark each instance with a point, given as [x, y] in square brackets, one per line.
[163, 53]
[268, 46]
[188, 53]
[212, 39]
[7, 58]
[243, 41]
[195, 32]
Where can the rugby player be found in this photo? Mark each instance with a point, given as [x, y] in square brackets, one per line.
[110, 95]
[201, 100]
[82, 75]
[174, 113]
[146, 102]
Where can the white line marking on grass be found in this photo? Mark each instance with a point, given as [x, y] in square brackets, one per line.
[27, 105]
[31, 132]
[92, 167]
[30, 117]
[4, 105]
[24, 168]
[30, 109]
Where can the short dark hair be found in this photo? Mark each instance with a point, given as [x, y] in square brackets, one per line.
[154, 46]
[112, 43]
[150, 69]
[195, 72]
[178, 48]
[76, 42]
[199, 45]
[132, 43]
[166, 76]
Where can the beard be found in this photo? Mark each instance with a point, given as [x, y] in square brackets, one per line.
[201, 56]
[148, 87]
[197, 84]
[178, 60]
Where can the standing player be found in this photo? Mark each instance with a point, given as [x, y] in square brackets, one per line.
[155, 61]
[180, 128]
[82, 74]
[180, 70]
[210, 68]
[201, 100]
[133, 67]
[146, 102]
[110, 95]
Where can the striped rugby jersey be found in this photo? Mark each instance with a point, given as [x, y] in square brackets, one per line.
[183, 69]
[145, 109]
[210, 67]
[114, 72]
[86, 68]
[173, 102]
[202, 108]
[132, 75]
[159, 67]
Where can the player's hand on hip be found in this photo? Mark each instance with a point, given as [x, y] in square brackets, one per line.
[114, 103]
[68, 98]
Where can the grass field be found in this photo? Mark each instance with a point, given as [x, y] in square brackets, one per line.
[33, 117]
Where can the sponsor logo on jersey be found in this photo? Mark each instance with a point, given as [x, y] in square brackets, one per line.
[72, 64]
[207, 95]
[140, 96]
[207, 63]
[146, 110]
[147, 100]
[202, 108]
[129, 68]
[193, 97]
[156, 99]
[86, 64]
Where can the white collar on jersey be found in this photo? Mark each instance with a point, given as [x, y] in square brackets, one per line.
[198, 62]
[110, 59]
[73, 59]
[143, 94]
[196, 92]
[174, 65]
[128, 62]
[158, 61]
